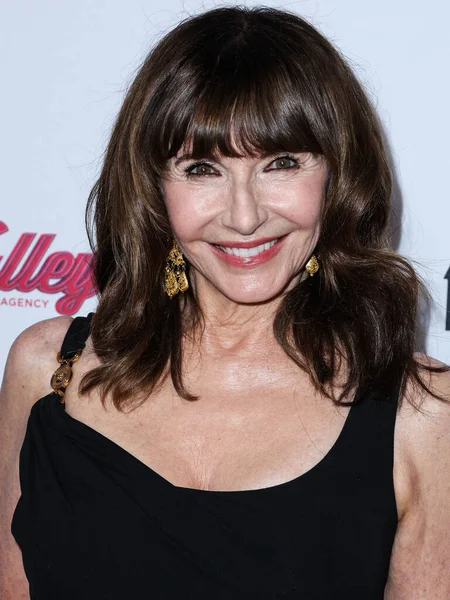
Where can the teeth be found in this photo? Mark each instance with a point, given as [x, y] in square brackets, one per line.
[248, 252]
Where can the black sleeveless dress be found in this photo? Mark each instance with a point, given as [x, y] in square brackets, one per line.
[95, 523]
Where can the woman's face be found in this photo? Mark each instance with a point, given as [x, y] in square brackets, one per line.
[246, 225]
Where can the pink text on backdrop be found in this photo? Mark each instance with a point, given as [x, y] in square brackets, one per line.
[60, 272]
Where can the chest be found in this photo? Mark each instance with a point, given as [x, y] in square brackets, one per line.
[231, 438]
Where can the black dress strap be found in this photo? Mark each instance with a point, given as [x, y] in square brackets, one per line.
[76, 336]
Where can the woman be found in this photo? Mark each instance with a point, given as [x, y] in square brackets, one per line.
[229, 428]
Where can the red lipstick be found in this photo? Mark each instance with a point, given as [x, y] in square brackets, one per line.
[250, 244]
[248, 261]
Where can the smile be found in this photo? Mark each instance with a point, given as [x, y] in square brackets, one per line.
[244, 255]
[246, 252]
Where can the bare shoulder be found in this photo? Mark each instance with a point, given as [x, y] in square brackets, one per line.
[41, 336]
[31, 362]
[424, 422]
[421, 409]
[32, 358]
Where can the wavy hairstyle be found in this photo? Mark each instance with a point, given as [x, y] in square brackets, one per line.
[275, 81]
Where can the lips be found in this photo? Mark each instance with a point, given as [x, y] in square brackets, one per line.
[244, 252]
[248, 254]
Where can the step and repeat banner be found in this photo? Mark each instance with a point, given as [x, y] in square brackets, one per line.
[65, 69]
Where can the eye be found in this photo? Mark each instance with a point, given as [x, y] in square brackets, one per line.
[283, 163]
[200, 169]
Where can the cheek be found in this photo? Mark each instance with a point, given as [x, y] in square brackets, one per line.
[302, 205]
[186, 210]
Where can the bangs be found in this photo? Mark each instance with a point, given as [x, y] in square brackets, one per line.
[255, 98]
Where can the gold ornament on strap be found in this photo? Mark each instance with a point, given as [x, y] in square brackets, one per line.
[175, 279]
[312, 266]
[63, 374]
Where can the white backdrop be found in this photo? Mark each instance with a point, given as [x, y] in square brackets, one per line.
[65, 67]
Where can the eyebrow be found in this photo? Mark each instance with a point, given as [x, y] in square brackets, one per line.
[182, 158]
[190, 156]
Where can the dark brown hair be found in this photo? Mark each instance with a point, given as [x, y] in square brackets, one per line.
[271, 78]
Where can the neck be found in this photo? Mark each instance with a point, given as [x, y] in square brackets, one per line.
[228, 325]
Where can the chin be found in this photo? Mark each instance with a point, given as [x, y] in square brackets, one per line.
[257, 286]
[255, 295]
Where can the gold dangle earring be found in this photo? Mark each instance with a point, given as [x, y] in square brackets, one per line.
[175, 279]
[312, 266]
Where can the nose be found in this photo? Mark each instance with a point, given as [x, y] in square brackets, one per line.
[245, 213]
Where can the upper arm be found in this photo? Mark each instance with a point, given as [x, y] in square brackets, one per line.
[420, 562]
[31, 361]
